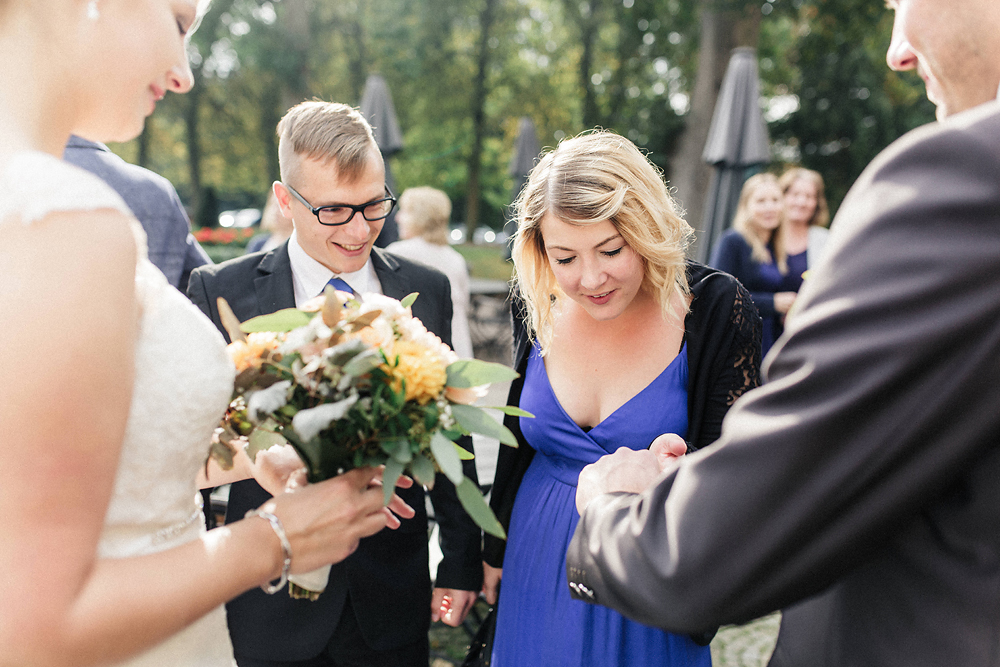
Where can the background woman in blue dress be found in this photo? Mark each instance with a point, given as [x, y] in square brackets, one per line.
[618, 340]
[754, 252]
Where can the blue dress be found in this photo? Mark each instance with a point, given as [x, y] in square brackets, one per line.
[537, 621]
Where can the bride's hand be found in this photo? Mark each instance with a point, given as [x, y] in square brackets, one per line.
[325, 521]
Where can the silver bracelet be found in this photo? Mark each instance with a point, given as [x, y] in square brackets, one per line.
[286, 548]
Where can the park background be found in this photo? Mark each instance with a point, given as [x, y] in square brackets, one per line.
[463, 73]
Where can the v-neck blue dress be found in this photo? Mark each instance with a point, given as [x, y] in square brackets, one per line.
[537, 621]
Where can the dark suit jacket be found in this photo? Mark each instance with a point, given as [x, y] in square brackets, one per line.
[155, 204]
[388, 575]
[859, 489]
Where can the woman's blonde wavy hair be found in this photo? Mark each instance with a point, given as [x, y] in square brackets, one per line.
[821, 217]
[743, 223]
[586, 180]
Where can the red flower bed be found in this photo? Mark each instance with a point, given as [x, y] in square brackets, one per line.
[223, 235]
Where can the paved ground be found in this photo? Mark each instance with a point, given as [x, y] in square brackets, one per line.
[747, 645]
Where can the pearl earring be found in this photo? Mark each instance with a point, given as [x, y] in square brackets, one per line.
[93, 13]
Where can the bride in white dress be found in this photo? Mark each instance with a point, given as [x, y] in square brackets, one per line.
[111, 382]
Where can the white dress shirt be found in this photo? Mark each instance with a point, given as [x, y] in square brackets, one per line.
[309, 277]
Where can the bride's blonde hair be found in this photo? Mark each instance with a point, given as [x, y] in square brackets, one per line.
[586, 180]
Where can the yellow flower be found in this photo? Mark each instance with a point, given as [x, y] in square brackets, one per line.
[422, 368]
[251, 353]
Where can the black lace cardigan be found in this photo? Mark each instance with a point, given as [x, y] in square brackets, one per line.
[722, 331]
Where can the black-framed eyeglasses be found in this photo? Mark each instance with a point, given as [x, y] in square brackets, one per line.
[335, 215]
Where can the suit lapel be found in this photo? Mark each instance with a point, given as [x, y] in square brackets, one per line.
[274, 283]
[388, 274]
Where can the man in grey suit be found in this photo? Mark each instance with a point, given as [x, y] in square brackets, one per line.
[154, 201]
[859, 489]
[378, 604]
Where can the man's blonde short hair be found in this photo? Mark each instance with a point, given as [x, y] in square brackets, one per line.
[329, 132]
[427, 213]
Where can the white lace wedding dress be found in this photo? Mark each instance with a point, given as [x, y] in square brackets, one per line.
[183, 381]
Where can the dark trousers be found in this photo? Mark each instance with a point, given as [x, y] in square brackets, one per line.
[347, 648]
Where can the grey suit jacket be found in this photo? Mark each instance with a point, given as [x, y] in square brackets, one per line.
[155, 204]
[859, 489]
[387, 576]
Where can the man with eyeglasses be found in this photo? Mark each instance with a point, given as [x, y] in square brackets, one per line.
[378, 604]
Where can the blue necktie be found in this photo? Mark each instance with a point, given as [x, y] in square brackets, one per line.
[340, 284]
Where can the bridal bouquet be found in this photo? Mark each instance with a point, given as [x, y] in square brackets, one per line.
[358, 383]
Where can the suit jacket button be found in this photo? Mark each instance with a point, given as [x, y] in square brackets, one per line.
[575, 587]
[585, 592]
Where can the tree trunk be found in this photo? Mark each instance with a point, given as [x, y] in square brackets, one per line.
[478, 119]
[588, 35]
[722, 30]
[295, 22]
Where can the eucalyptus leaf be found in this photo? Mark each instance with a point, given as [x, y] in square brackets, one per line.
[391, 474]
[262, 439]
[463, 453]
[512, 410]
[280, 321]
[363, 363]
[447, 458]
[466, 373]
[475, 420]
[222, 454]
[408, 300]
[398, 449]
[338, 355]
[473, 502]
[423, 470]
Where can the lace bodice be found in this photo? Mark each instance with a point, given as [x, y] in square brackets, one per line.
[183, 381]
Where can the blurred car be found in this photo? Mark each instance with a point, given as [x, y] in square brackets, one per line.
[241, 218]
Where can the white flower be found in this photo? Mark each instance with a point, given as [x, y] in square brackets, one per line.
[391, 308]
[264, 402]
[308, 423]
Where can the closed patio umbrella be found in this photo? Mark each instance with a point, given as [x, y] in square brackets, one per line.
[737, 146]
[378, 110]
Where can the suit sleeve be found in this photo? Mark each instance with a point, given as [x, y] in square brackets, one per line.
[461, 539]
[882, 396]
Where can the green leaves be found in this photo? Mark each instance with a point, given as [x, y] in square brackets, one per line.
[463, 453]
[473, 502]
[409, 299]
[423, 470]
[393, 470]
[512, 410]
[280, 321]
[475, 420]
[262, 439]
[467, 373]
[447, 458]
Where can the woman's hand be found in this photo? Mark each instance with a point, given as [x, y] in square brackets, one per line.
[783, 301]
[451, 605]
[491, 582]
[325, 521]
[629, 470]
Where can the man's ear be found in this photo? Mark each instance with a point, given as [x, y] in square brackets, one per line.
[284, 199]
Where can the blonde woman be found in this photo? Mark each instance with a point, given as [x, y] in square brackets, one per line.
[113, 381]
[423, 225]
[618, 340]
[807, 217]
[754, 251]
